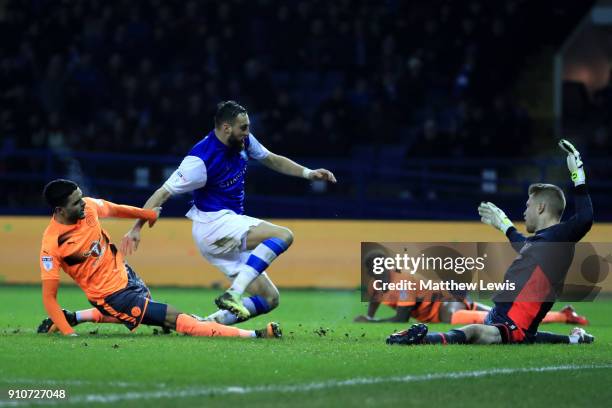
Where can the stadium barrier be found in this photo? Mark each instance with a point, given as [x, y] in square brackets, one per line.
[375, 182]
[325, 254]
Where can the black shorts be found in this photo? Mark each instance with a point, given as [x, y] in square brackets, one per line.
[508, 330]
[133, 305]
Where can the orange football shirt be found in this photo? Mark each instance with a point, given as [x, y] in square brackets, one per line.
[84, 250]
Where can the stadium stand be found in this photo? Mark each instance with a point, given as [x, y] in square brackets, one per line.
[101, 91]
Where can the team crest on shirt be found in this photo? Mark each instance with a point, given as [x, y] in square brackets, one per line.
[47, 262]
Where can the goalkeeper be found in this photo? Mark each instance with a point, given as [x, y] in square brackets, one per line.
[539, 271]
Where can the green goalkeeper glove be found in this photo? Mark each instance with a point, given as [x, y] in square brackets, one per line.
[490, 214]
[574, 162]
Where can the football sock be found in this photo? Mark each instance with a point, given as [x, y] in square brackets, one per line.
[256, 305]
[468, 317]
[454, 336]
[261, 257]
[477, 317]
[554, 317]
[552, 338]
[188, 325]
[94, 315]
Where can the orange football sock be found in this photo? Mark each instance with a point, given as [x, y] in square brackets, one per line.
[94, 315]
[554, 317]
[188, 325]
[468, 317]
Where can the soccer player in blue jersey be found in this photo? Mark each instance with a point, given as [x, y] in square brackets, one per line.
[538, 272]
[240, 246]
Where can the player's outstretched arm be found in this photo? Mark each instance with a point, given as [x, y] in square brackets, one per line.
[288, 167]
[577, 226]
[402, 315]
[130, 241]
[369, 317]
[492, 215]
[574, 162]
[189, 176]
[49, 295]
[108, 209]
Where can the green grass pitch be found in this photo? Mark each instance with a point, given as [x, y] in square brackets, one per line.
[324, 359]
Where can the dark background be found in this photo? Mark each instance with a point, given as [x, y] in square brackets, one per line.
[421, 108]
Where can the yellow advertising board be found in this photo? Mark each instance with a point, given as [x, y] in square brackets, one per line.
[325, 253]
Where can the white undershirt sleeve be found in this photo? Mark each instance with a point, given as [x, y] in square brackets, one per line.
[190, 175]
[256, 149]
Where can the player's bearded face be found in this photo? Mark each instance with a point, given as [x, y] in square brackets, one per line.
[236, 141]
[240, 130]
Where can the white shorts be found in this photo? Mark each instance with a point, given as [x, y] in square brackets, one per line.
[221, 238]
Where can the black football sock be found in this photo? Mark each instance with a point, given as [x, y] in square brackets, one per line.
[454, 336]
[551, 338]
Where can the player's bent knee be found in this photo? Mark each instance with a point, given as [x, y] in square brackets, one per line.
[486, 335]
[171, 316]
[273, 299]
[286, 235]
[270, 294]
[473, 333]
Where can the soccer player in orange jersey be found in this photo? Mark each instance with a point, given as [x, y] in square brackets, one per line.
[454, 313]
[426, 306]
[423, 307]
[75, 242]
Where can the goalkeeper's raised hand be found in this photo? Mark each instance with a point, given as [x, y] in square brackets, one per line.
[574, 162]
[490, 214]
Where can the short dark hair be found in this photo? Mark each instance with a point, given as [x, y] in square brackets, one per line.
[56, 192]
[552, 195]
[227, 112]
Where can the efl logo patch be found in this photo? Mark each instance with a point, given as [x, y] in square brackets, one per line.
[136, 311]
[47, 262]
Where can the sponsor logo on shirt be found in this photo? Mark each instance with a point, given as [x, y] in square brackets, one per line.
[234, 179]
[94, 250]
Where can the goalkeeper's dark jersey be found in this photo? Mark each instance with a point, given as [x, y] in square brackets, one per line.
[540, 269]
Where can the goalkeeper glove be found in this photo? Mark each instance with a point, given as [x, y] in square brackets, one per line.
[490, 214]
[574, 162]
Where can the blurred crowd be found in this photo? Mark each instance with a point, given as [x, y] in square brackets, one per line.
[317, 77]
[598, 117]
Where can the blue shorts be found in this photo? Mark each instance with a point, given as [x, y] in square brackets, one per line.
[509, 331]
[133, 305]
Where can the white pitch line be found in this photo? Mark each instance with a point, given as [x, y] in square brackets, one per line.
[305, 387]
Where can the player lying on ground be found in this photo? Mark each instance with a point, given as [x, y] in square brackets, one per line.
[434, 306]
[75, 242]
[241, 247]
[533, 271]
[459, 312]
